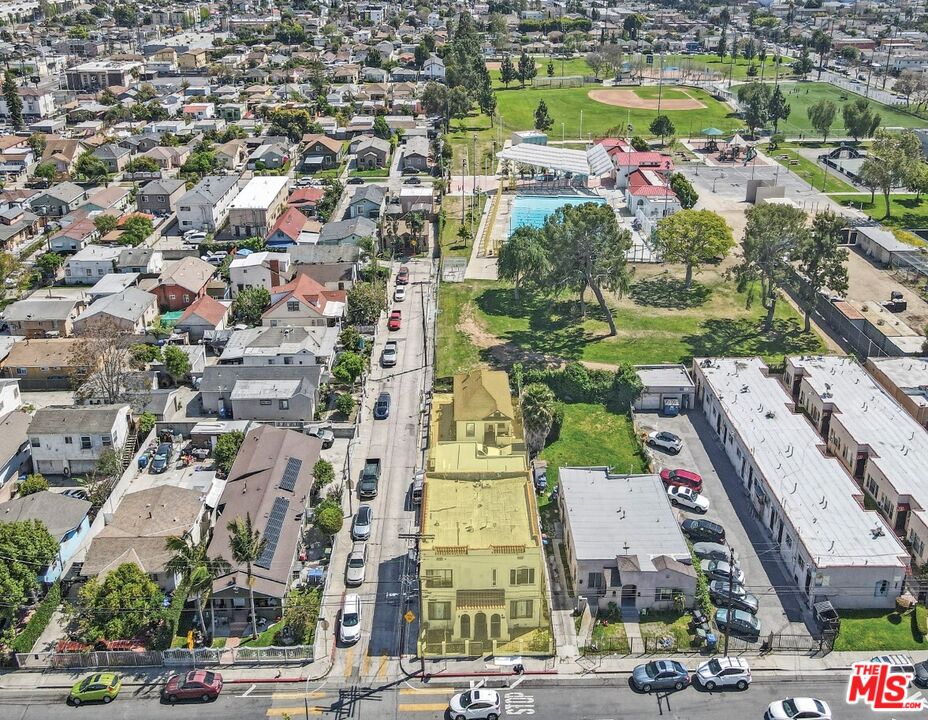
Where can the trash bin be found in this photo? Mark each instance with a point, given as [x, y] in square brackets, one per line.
[143, 461]
[711, 641]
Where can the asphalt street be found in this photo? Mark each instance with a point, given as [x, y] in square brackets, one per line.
[599, 699]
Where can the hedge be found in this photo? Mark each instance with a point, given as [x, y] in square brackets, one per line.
[576, 383]
[170, 619]
[39, 621]
[921, 620]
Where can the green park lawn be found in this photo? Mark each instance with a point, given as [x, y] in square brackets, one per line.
[905, 210]
[451, 245]
[874, 630]
[566, 67]
[811, 173]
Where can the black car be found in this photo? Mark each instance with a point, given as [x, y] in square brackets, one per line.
[740, 598]
[162, 458]
[412, 181]
[382, 406]
[355, 181]
[699, 530]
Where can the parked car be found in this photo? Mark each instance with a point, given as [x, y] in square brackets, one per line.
[724, 672]
[660, 675]
[325, 434]
[402, 277]
[697, 530]
[389, 354]
[98, 687]
[721, 570]
[412, 181]
[349, 626]
[665, 440]
[741, 599]
[399, 293]
[898, 663]
[683, 478]
[688, 498]
[794, 708]
[362, 523]
[195, 685]
[921, 674]
[355, 181]
[78, 493]
[356, 565]
[395, 321]
[162, 458]
[710, 551]
[474, 704]
[740, 622]
[382, 406]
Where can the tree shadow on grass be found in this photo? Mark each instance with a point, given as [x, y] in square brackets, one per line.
[667, 292]
[722, 337]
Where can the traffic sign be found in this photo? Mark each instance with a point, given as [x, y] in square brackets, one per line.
[409, 616]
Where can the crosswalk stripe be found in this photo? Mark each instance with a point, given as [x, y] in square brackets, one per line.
[349, 662]
[297, 695]
[425, 707]
[427, 691]
[294, 712]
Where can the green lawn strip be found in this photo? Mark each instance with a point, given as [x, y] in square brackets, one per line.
[873, 630]
[376, 173]
[810, 172]
[264, 639]
[451, 245]
[906, 211]
[455, 352]
[667, 624]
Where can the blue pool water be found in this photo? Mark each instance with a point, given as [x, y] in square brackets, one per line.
[532, 210]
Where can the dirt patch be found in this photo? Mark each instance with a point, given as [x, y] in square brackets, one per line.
[470, 326]
[630, 99]
[498, 353]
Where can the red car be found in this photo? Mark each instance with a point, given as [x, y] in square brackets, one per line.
[396, 319]
[682, 478]
[402, 277]
[195, 685]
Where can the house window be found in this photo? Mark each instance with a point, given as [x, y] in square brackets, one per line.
[293, 306]
[881, 588]
[85, 442]
[264, 402]
[20, 371]
[520, 609]
[283, 404]
[596, 580]
[522, 576]
[172, 297]
[68, 440]
[663, 594]
[439, 611]
[439, 578]
[288, 361]
[106, 440]
[36, 442]
[470, 430]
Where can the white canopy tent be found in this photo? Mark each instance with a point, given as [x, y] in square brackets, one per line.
[594, 162]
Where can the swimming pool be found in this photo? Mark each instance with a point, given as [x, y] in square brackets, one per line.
[532, 210]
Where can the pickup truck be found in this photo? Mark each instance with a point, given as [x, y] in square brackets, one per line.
[370, 478]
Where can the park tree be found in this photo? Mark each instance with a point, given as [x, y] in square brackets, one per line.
[250, 304]
[14, 103]
[459, 103]
[754, 98]
[662, 126]
[197, 570]
[684, 190]
[247, 545]
[612, 57]
[821, 260]
[595, 61]
[891, 161]
[908, 83]
[543, 120]
[507, 70]
[526, 69]
[917, 179]
[521, 257]
[550, 68]
[126, 604]
[486, 96]
[803, 66]
[586, 250]
[859, 119]
[226, 449]
[771, 236]
[822, 116]
[176, 362]
[435, 101]
[778, 108]
[722, 46]
[538, 405]
[692, 237]
[821, 43]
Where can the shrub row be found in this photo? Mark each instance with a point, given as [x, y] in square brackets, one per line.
[170, 619]
[575, 383]
[39, 621]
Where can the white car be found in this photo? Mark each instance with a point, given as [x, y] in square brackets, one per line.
[349, 629]
[688, 498]
[666, 440]
[192, 235]
[357, 563]
[794, 708]
[475, 704]
[724, 672]
[399, 294]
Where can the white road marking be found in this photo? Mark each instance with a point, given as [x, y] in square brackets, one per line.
[517, 682]
[249, 691]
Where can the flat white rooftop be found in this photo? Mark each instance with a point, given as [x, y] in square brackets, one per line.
[815, 492]
[909, 374]
[259, 193]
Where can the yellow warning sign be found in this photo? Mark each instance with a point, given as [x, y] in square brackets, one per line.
[409, 616]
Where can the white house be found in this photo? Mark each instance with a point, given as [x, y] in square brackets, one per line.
[260, 269]
[434, 69]
[69, 440]
[206, 205]
[649, 199]
[87, 266]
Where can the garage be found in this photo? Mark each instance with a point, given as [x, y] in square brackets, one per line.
[667, 389]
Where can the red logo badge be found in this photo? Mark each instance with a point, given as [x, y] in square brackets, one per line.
[882, 688]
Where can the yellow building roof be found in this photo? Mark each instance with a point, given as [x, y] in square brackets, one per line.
[478, 514]
[482, 394]
[472, 458]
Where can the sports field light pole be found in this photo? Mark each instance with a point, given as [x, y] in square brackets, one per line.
[580, 134]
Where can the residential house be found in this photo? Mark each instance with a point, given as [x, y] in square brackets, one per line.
[281, 395]
[255, 209]
[112, 284]
[206, 205]
[346, 74]
[17, 226]
[306, 199]
[321, 152]
[416, 154]
[141, 260]
[204, 314]
[260, 269]
[624, 544]
[47, 364]
[168, 158]
[199, 111]
[293, 228]
[183, 282]
[367, 201]
[68, 440]
[38, 103]
[433, 69]
[231, 155]
[63, 152]
[161, 197]
[269, 156]
[372, 153]
[40, 317]
[332, 276]
[132, 310]
[233, 111]
[263, 346]
[59, 200]
[137, 530]
[270, 480]
[90, 264]
[113, 156]
[74, 237]
[417, 198]
[347, 232]
[304, 302]
[67, 520]
[15, 457]
[114, 198]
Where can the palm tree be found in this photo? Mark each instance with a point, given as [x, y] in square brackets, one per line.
[537, 415]
[196, 569]
[247, 546]
[416, 225]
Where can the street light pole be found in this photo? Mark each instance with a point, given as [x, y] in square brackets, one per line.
[731, 579]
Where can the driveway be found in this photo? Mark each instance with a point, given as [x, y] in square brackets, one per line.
[781, 610]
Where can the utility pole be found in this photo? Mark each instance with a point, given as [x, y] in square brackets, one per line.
[660, 83]
[731, 580]
[473, 202]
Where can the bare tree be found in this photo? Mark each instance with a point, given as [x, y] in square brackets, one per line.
[103, 364]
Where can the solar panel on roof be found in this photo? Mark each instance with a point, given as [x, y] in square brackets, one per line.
[288, 481]
[275, 523]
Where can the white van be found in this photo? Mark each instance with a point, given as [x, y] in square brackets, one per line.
[349, 629]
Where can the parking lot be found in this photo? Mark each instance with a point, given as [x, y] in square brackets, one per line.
[780, 606]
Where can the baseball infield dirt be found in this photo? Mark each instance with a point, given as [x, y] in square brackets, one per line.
[630, 99]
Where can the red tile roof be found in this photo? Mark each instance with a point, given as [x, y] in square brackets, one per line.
[207, 308]
[308, 291]
[637, 159]
[652, 191]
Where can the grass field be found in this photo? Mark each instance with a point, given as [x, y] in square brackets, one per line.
[811, 173]
[873, 630]
[906, 210]
[801, 95]
[650, 92]
[451, 245]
